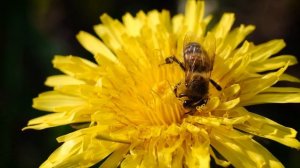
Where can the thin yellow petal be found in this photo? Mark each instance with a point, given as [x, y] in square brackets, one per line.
[79, 152]
[236, 36]
[78, 67]
[217, 121]
[282, 90]
[229, 104]
[133, 160]
[223, 27]
[109, 39]
[273, 98]
[212, 104]
[133, 25]
[242, 152]
[231, 91]
[263, 51]
[264, 127]
[77, 115]
[61, 80]
[218, 161]
[238, 64]
[177, 161]
[262, 83]
[94, 45]
[177, 21]
[114, 27]
[194, 12]
[115, 158]
[289, 78]
[198, 156]
[56, 102]
[274, 63]
[84, 91]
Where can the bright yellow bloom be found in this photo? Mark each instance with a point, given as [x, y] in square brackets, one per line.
[126, 112]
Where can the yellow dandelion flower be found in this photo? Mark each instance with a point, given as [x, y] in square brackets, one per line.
[125, 109]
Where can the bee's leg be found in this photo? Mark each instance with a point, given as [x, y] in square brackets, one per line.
[217, 86]
[200, 102]
[176, 89]
[170, 60]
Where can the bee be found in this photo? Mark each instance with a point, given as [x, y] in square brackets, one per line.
[197, 66]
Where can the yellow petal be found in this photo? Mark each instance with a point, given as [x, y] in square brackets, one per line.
[262, 83]
[53, 101]
[94, 45]
[223, 27]
[84, 91]
[77, 115]
[242, 152]
[177, 161]
[133, 160]
[83, 151]
[238, 65]
[212, 104]
[177, 21]
[231, 91]
[218, 161]
[290, 78]
[274, 63]
[264, 127]
[150, 156]
[194, 12]
[82, 132]
[109, 39]
[133, 25]
[78, 67]
[273, 98]
[217, 121]
[228, 104]
[165, 152]
[236, 36]
[282, 90]
[114, 28]
[263, 51]
[198, 156]
[60, 80]
[115, 158]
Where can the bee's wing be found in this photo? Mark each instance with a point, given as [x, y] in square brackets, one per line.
[188, 63]
[210, 43]
[211, 62]
[198, 62]
[187, 39]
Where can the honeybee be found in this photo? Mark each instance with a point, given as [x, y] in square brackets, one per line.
[197, 66]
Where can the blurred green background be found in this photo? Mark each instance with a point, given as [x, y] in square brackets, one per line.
[33, 31]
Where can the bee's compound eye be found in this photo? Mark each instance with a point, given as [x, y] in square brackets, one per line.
[186, 103]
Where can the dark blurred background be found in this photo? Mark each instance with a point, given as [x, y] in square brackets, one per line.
[33, 31]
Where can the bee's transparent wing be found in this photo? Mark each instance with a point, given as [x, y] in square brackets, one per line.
[188, 64]
[210, 48]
